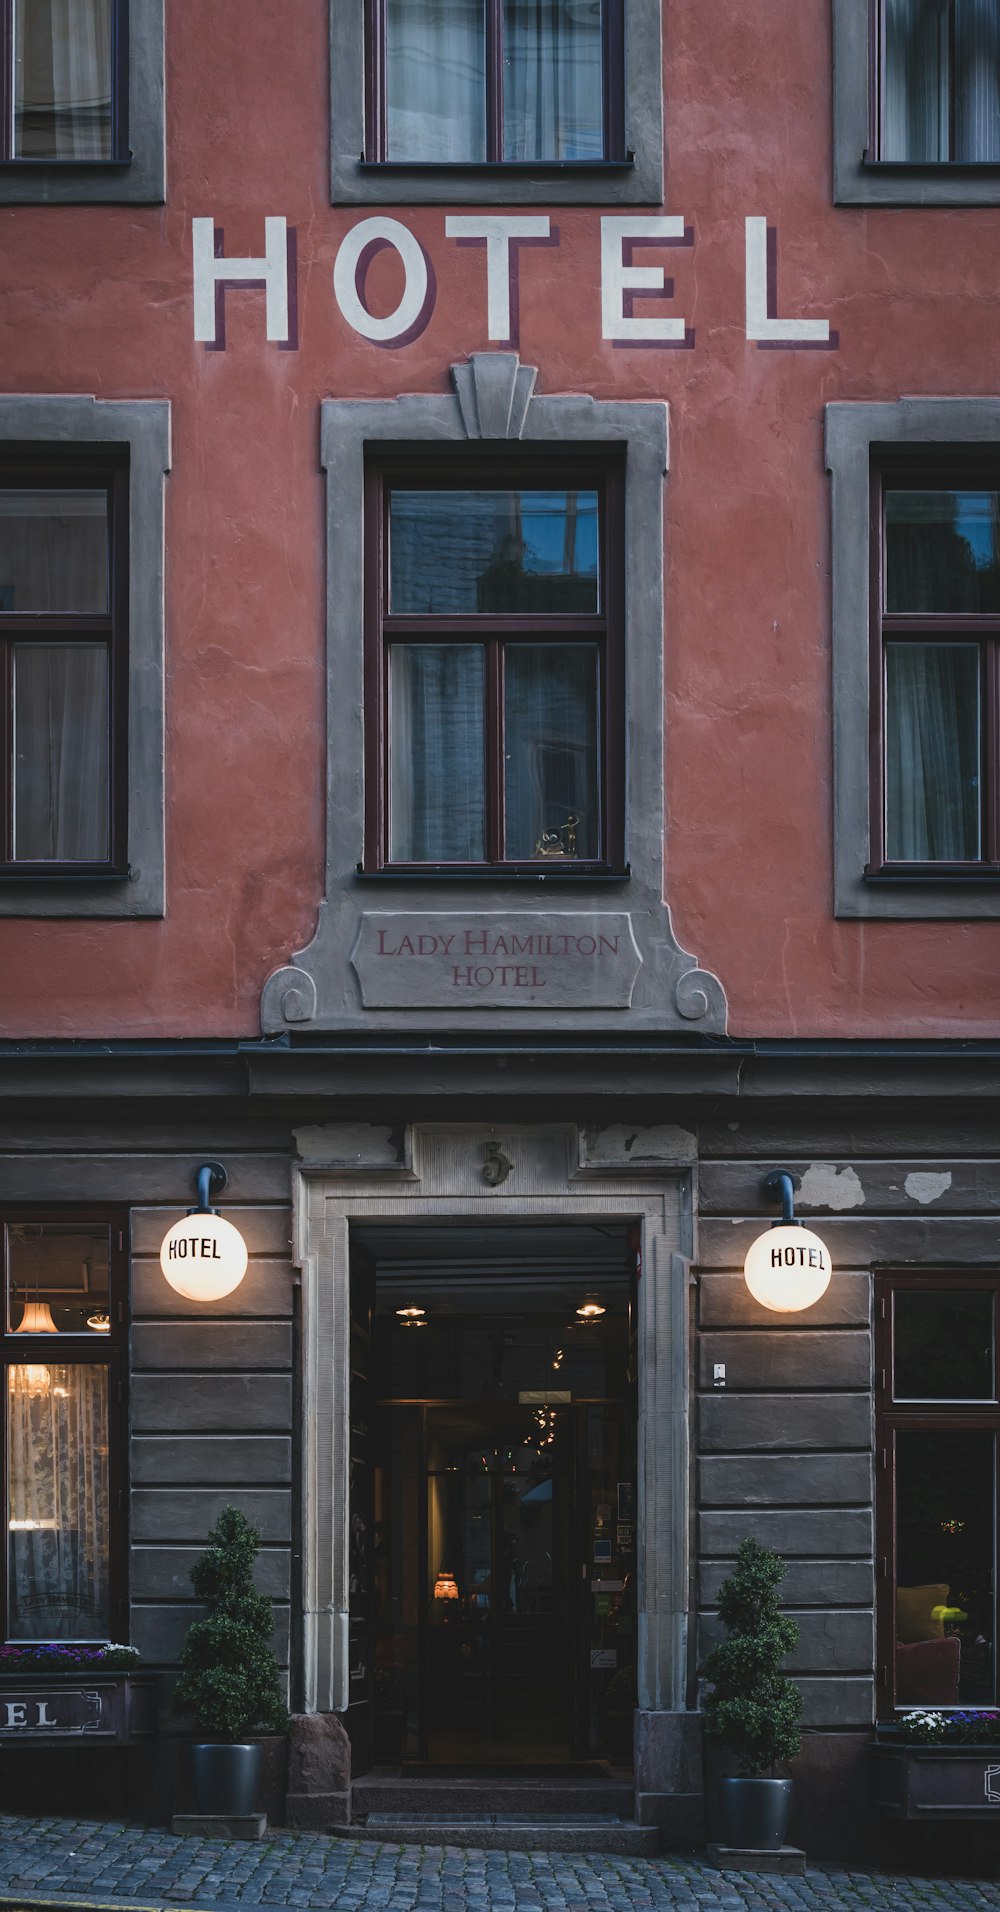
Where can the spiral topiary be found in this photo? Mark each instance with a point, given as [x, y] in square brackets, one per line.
[230, 1680]
[753, 1708]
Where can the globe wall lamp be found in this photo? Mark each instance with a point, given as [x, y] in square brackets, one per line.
[203, 1256]
[787, 1269]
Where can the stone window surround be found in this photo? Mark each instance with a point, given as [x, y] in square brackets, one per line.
[557, 184]
[143, 425]
[493, 403]
[861, 181]
[140, 179]
[857, 433]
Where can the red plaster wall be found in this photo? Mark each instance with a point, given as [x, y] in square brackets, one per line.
[99, 300]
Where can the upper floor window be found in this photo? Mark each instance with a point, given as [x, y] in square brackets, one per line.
[64, 1344]
[937, 664]
[938, 1421]
[916, 102]
[67, 85]
[940, 81]
[496, 80]
[63, 668]
[83, 101]
[494, 679]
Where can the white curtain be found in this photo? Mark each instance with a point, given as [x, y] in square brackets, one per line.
[62, 65]
[553, 80]
[932, 752]
[435, 79]
[977, 90]
[58, 1502]
[551, 747]
[436, 797]
[61, 752]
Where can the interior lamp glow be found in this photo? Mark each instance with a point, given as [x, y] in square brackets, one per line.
[204, 1257]
[787, 1269]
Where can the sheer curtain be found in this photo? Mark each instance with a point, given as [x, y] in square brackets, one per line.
[61, 752]
[436, 778]
[977, 55]
[915, 84]
[435, 79]
[551, 747]
[932, 752]
[62, 64]
[553, 80]
[58, 1502]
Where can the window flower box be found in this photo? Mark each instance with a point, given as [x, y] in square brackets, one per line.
[939, 1766]
[75, 1696]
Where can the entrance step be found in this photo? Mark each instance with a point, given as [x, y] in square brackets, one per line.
[560, 1799]
[512, 1832]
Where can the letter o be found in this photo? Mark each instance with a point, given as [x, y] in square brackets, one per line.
[345, 279]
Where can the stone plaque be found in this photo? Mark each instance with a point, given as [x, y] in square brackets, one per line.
[568, 959]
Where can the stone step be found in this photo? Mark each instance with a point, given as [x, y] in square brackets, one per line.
[511, 1832]
[416, 1798]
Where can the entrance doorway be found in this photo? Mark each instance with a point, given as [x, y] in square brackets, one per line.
[493, 1496]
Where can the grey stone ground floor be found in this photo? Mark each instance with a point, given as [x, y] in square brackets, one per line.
[115, 1865]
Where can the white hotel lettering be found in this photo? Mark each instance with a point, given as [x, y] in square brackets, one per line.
[622, 281]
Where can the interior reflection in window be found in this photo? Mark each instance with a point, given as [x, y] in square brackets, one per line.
[945, 1548]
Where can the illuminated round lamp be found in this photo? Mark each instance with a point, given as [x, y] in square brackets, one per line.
[591, 1310]
[787, 1269]
[204, 1257]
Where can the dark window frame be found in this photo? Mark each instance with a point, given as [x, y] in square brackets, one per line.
[613, 70]
[110, 1351]
[119, 154]
[87, 468]
[925, 469]
[906, 1416]
[607, 476]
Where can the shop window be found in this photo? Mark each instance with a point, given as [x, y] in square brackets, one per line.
[64, 1349]
[937, 671]
[937, 1437]
[83, 100]
[916, 657]
[454, 89]
[81, 656]
[494, 684]
[63, 668]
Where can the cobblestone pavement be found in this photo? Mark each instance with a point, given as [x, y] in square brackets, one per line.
[84, 1860]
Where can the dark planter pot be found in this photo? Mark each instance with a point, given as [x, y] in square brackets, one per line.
[226, 1779]
[755, 1813]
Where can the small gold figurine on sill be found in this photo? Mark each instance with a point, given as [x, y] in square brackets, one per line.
[561, 842]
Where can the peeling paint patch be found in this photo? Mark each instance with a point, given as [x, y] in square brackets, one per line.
[927, 1185]
[826, 1186]
[622, 1145]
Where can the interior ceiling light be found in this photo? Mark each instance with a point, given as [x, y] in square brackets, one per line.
[590, 1310]
[410, 1314]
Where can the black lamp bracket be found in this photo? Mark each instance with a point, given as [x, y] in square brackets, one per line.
[211, 1179]
[780, 1186]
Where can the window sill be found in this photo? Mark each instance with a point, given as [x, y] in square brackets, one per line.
[923, 873]
[512, 873]
[497, 168]
[12, 168]
[934, 168]
[9, 874]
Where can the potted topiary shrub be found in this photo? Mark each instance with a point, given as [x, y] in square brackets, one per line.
[753, 1709]
[229, 1679]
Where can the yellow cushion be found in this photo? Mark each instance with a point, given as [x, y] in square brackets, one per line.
[915, 1617]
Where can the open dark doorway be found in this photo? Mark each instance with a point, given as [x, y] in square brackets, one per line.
[493, 1499]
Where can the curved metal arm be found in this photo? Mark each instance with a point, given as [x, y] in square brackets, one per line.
[212, 1179]
[781, 1188]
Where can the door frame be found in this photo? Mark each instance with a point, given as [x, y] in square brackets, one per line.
[443, 1171]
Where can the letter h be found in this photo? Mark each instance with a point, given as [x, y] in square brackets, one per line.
[212, 273]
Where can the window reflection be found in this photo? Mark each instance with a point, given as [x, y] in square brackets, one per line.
[57, 1278]
[945, 1548]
